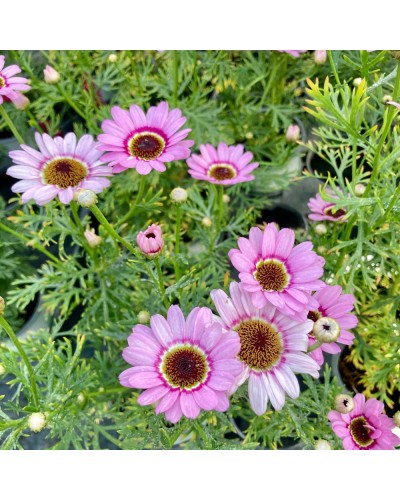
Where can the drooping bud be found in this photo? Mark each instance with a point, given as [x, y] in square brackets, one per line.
[357, 82]
[206, 222]
[51, 75]
[326, 330]
[321, 229]
[344, 403]
[293, 133]
[20, 101]
[2, 306]
[151, 241]
[360, 189]
[92, 238]
[178, 195]
[86, 198]
[36, 422]
[143, 317]
[322, 444]
[112, 58]
[320, 56]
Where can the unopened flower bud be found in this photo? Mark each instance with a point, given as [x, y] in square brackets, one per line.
[2, 306]
[81, 398]
[143, 317]
[151, 241]
[206, 222]
[396, 419]
[112, 58]
[92, 238]
[20, 101]
[321, 229]
[2, 370]
[178, 195]
[326, 330]
[320, 56]
[293, 133]
[322, 444]
[51, 75]
[357, 82]
[226, 198]
[344, 403]
[360, 189]
[36, 422]
[249, 135]
[86, 198]
[386, 98]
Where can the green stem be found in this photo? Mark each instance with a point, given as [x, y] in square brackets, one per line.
[111, 231]
[161, 281]
[77, 220]
[139, 196]
[220, 207]
[70, 101]
[177, 241]
[176, 78]
[335, 74]
[314, 346]
[11, 125]
[201, 432]
[17, 343]
[34, 244]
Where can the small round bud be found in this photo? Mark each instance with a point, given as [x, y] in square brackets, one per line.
[344, 403]
[178, 195]
[51, 75]
[357, 82]
[326, 330]
[249, 135]
[20, 101]
[2, 305]
[396, 419]
[92, 238]
[112, 58]
[81, 398]
[387, 98]
[86, 198]
[36, 422]
[206, 222]
[2, 370]
[293, 133]
[360, 189]
[143, 317]
[322, 444]
[321, 229]
[320, 56]
[226, 198]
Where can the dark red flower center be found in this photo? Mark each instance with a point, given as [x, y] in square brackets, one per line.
[360, 432]
[338, 213]
[272, 275]
[146, 145]
[2, 82]
[150, 235]
[64, 172]
[185, 366]
[222, 171]
[314, 316]
[260, 344]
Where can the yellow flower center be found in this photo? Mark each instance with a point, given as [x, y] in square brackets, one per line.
[64, 172]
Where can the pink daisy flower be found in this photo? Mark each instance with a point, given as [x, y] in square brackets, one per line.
[272, 347]
[61, 167]
[324, 210]
[224, 165]
[365, 427]
[184, 365]
[331, 303]
[274, 271]
[145, 142]
[10, 85]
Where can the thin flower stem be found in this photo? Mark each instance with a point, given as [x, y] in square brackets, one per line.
[161, 281]
[177, 240]
[10, 332]
[111, 231]
[34, 244]
[335, 74]
[201, 432]
[70, 101]
[176, 77]
[11, 125]
[75, 214]
[314, 346]
[139, 196]
[220, 195]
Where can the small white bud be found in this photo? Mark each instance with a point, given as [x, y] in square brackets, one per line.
[178, 195]
[143, 316]
[51, 75]
[320, 56]
[322, 444]
[344, 403]
[360, 189]
[357, 82]
[86, 198]
[293, 133]
[36, 422]
[2, 306]
[321, 229]
[92, 238]
[249, 135]
[2, 370]
[387, 98]
[206, 222]
[326, 330]
[81, 398]
[226, 198]
[112, 58]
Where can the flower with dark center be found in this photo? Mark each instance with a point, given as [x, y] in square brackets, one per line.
[335, 214]
[272, 269]
[325, 210]
[11, 85]
[272, 347]
[185, 365]
[225, 165]
[365, 427]
[330, 302]
[145, 142]
[61, 167]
